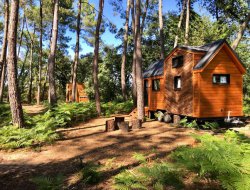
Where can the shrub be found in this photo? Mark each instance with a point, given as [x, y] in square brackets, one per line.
[226, 160]
[116, 108]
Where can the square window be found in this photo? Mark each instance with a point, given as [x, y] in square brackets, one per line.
[177, 62]
[156, 85]
[221, 79]
[177, 83]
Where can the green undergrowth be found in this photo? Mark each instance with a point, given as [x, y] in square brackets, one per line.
[5, 114]
[246, 106]
[117, 108]
[194, 124]
[222, 159]
[41, 128]
[48, 183]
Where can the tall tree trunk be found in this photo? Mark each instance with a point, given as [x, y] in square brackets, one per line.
[78, 31]
[144, 15]
[38, 98]
[139, 80]
[21, 36]
[44, 85]
[124, 55]
[161, 29]
[29, 97]
[14, 96]
[179, 23]
[134, 89]
[187, 22]
[96, 56]
[243, 27]
[4, 49]
[2, 81]
[51, 60]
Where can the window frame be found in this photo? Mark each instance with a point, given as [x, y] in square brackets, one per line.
[180, 57]
[176, 83]
[153, 86]
[221, 75]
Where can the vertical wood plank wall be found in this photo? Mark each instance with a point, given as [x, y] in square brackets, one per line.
[179, 101]
[216, 100]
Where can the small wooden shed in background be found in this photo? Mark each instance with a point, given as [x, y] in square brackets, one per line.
[81, 95]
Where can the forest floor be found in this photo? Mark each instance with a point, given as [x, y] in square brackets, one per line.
[88, 142]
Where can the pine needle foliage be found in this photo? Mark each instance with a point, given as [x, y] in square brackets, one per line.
[226, 160]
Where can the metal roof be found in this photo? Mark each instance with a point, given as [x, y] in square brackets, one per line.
[155, 69]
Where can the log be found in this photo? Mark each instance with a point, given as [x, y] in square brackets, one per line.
[118, 120]
[110, 125]
[124, 126]
[177, 119]
[136, 124]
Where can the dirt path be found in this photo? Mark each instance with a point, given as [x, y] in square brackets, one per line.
[89, 142]
[33, 109]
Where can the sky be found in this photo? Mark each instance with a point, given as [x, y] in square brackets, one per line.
[109, 38]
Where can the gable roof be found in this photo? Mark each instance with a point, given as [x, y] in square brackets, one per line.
[155, 69]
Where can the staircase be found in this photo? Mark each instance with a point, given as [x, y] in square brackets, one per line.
[134, 114]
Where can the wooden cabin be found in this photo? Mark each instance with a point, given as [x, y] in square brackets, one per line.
[196, 81]
[81, 95]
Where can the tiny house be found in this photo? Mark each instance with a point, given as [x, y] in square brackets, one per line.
[196, 81]
[81, 95]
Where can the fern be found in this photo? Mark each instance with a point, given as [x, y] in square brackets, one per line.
[224, 160]
[48, 183]
[210, 125]
[139, 157]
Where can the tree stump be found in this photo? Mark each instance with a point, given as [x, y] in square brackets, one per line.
[136, 124]
[124, 126]
[110, 125]
[118, 120]
[177, 119]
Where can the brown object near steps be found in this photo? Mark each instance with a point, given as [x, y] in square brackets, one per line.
[110, 125]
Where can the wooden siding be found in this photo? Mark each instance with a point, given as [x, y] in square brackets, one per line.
[179, 101]
[213, 100]
[156, 98]
[81, 95]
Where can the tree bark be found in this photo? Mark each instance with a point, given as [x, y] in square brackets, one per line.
[51, 61]
[243, 27]
[187, 22]
[40, 55]
[179, 23]
[78, 31]
[139, 80]
[96, 56]
[21, 36]
[4, 49]
[124, 55]
[29, 97]
[144, 16]
[134, 89]
[161, 29]
[14, 96]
